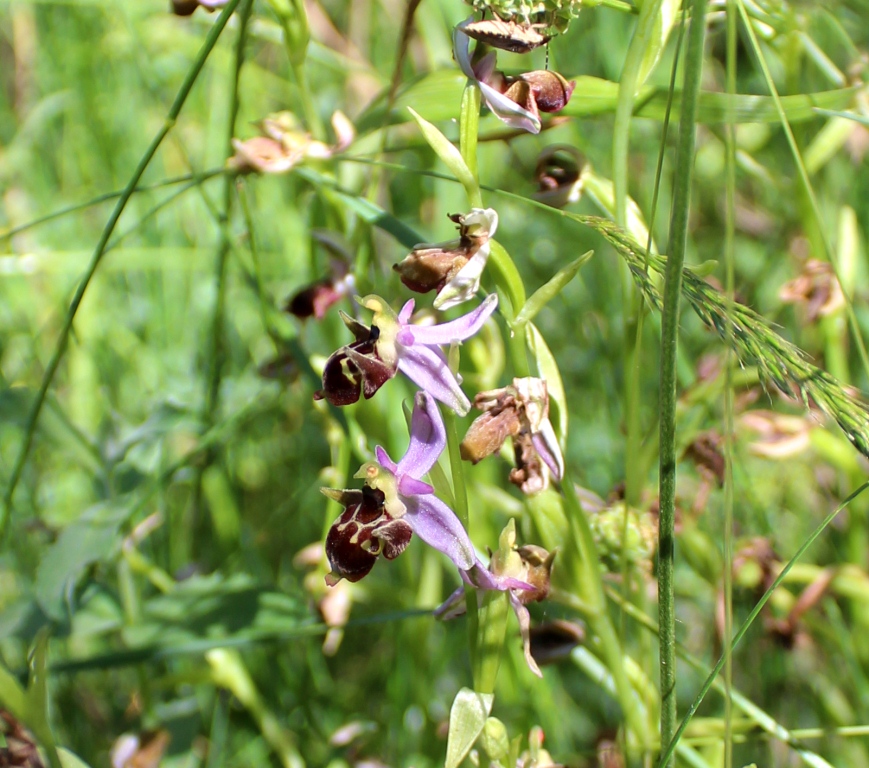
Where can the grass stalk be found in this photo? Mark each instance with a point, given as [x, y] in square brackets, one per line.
[669, 335]
[729, 426]
[99, 251]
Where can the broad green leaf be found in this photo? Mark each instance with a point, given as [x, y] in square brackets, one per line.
[543, 295]
[91, 538]
[467, 720]
[213, 607]
[449, 154]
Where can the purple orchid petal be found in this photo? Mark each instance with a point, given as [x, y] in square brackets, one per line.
[428, 369]
[410, 486]
[503, 108]
[406, 312]
[482, 578]
[437, 525]
[453, 606]
[384, 460]
[546, 445]
[524, 619]
[461, 50]
[428, 438]
[508, 111]
[456, 330]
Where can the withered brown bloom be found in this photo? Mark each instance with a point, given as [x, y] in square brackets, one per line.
[816, 288]
[453, 268]
[521, 412]
[517, 101]
[284, 145]
[559, 175]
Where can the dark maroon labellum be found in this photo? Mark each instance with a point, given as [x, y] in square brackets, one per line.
[362, 533]
[353, 370]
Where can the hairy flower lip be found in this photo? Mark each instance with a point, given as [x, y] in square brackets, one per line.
[395, 504]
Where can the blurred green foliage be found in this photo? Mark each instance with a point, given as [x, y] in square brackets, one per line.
[155, 539]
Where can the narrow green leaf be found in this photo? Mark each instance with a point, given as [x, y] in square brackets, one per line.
[467, 720]
[12, 695]
[660, 30]
[548, 291]
[448, 153]
[547, 368]
[70, 759]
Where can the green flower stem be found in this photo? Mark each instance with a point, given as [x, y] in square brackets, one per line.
[491, 636]
[60, 347]
[460, 497]
[469, 125]
[582, 554]
[669, 334]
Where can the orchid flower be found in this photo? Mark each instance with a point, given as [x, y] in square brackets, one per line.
[515, 101]
[392, 343]
[521, 572]
[521, 412]
[395, 503]
[284, 144]
[453, 268]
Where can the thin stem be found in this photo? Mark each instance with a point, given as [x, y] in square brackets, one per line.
[60, 347]
[669, 335]
[216, 347]
[729, 283]
[197, 178]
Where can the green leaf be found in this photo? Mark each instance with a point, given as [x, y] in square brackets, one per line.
[70, 759]
[91, 538]
[547, 368]
[467, 720]
[543, 295]
[12, 696]
[661, 25]
[450, 156]
[436, 94]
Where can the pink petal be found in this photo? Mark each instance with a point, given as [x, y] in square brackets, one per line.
[428, 369]
[456, 330]
[437, 525]
[428, 438]
[384, 460]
